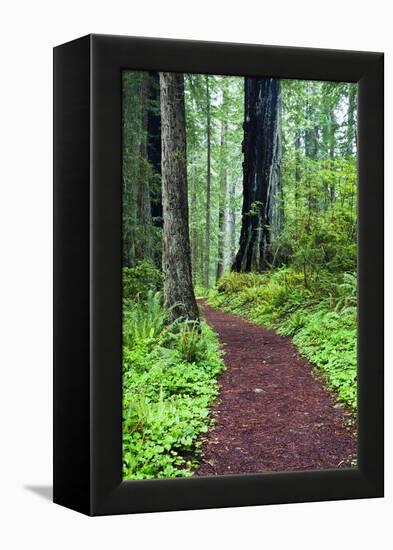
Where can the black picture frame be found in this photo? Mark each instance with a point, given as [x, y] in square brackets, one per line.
[87, 275]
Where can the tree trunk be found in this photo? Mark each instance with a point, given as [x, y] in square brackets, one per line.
[351, 127]
[276, 203]
[232, 225]
[208, 188]
[261, 147]
[154, 144]
[311, 141]
[297, 167]
[179, 298]
[144, 218]
[332, 148]
[193, 220]
[222, 208]
[311, 149]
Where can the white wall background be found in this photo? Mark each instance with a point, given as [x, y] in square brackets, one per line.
[29, 30]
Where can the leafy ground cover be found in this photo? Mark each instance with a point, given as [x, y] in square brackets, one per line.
[169, 382]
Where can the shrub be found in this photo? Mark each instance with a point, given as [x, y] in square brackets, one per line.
[185, 336]
[139, 280]
[143, 319]
[169, 381]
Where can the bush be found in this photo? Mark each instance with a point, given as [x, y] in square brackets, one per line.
[185, 336]
[143, 320]
[169, 381]
[139, 280]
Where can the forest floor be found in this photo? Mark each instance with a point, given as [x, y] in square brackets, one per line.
[273, 412]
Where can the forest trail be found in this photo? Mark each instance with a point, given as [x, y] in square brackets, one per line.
[273, 413]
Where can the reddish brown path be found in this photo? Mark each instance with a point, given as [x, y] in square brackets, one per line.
[272, 413]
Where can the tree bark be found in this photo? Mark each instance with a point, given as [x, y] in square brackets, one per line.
[351, 126]
[179, 298]
[232, 225]
[261, 147]
[222, 207]
[144, 216]
[194, 237]
[154, 144]
[332, 148]
[311, 140]
[208, 188]
[297, 168]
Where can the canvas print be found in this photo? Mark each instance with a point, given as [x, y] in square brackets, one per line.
[239, 213]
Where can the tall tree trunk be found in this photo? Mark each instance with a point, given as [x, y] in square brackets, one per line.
[222, 208]
[351, 125]
[311, 141]
[260, 172]
[201, 254]
[311, 148]
[193, 223]
[179, 298]
[143, 197]
[275, 192]
[230, 233]
[297, 167]
[154, 144]
[208, 188]
[332, 148]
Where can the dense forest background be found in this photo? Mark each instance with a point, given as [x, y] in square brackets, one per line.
[243, 191]
[314, 225]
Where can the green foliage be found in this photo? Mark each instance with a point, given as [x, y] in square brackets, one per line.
[318, 178]
[344, 297]
[143, 320]
[321, 319]
[328, 340]
[169, 382]
[185, 336]
[139, 280]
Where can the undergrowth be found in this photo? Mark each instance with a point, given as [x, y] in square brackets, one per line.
[320, 318]
[169, 381]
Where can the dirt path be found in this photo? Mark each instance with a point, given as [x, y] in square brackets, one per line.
[272, 414]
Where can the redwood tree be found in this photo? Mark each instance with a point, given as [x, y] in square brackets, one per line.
[222, 205]
[179, 298]
[261, 148]
[208, 187]
[154, 144]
